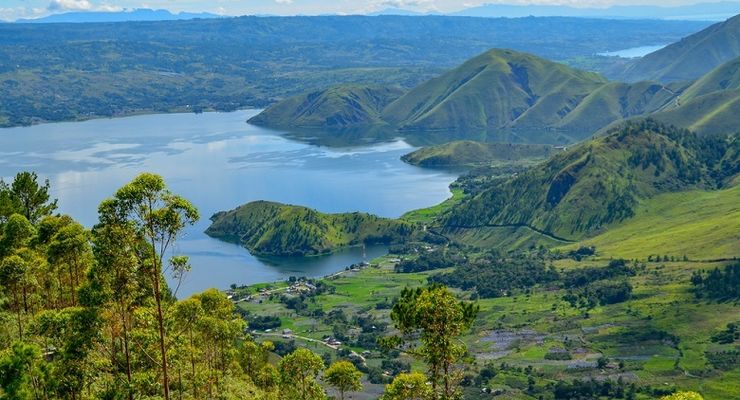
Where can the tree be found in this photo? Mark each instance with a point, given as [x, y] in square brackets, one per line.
[23, 374]
[411, 386]
[26, 197]
[438, 318]
[17, 232]
[116, 285]
[298, 372]
[70, 246]
[159, 216]
[343, 376]
[12, 275]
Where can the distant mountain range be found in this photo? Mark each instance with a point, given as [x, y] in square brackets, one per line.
[139, 14]
[718, 11]
[701, 11]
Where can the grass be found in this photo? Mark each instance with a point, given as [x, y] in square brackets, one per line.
[698, 224]
[427, 215]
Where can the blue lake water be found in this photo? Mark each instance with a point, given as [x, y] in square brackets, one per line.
[633, 52]
[218, 161]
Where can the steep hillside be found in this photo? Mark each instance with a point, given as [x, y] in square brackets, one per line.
[615, 101]
[469, 153]
[499, 89]
[711, 104]
[498, 96]
[691, 57]
[579, 192]
[333, 107]
[697, 224]
[277, 229]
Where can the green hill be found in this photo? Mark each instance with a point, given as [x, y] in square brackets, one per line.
[269, 228]
[615, 101]
[338, 106]
[497, 90]
[691, 57]
[697, 224]
[598, 183]
[711, 104]
[498, 96]
[469, 153]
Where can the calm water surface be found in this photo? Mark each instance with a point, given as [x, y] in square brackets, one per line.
[218, 162]
[633, 52]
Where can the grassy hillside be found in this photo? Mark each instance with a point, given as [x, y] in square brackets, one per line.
[337, 106]
[600, 182]
[711, 104]
[499, 89]
[277, 229]
[615, 101]
[697, 224]
[498, 96]
[469, 153]
[691, 57]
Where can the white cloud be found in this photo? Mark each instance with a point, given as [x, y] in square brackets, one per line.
[284, 1]
[68, 5]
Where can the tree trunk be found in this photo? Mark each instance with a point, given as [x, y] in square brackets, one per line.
[18, 313]
[160, 322]
[126, 351]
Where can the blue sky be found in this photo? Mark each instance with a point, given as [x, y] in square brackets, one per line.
[13, 9]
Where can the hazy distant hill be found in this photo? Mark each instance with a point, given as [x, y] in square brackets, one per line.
[691, 57]
[716, 11]
[139, 14]
[500, 89]
[334, 107]
[507, 95]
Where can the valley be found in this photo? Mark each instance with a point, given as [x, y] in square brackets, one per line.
[417, 207]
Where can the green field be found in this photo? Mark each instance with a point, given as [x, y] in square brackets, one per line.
[631, 332]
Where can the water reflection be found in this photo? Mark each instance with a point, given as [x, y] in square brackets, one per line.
[218, 162]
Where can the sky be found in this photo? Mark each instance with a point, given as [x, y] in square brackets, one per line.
[14, 9]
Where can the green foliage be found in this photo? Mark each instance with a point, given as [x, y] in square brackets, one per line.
[727, 336]
[438, 318]
[343, 376]
[718, 283]
[298, 373]
[27, 197]
[600, 182]
[23, 374]
[276, 229]
[410, 386]
[494, 276]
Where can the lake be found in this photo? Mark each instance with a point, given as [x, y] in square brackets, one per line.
[633, 52]
[218, 161]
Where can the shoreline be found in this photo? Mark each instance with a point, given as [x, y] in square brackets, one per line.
[131, 114]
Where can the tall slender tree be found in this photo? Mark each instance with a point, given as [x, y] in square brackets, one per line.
[159, 217]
